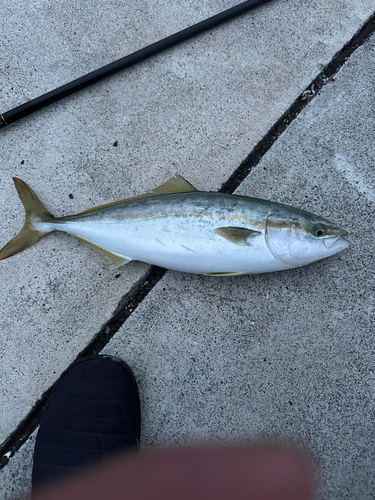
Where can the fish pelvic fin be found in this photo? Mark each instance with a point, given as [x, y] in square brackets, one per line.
[34, 211]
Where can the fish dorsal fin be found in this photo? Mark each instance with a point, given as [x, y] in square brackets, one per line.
[174, 185]
[237, 235]
[115, 260]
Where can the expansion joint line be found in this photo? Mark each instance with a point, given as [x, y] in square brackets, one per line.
[325, 76]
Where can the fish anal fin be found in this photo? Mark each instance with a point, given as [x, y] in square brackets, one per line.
[237, 235]
[115, 260]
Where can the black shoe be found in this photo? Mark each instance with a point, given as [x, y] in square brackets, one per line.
[93, 411]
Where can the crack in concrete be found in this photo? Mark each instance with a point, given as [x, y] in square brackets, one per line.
[311, 91]
[126, 306]
[143, 287]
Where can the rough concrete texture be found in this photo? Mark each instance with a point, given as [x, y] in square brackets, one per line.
[212, 357]
[15, 478]
[286, 355]
[198, 110]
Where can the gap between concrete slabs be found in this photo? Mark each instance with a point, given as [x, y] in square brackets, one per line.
[135, 296]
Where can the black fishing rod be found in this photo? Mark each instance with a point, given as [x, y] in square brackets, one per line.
[129, 60]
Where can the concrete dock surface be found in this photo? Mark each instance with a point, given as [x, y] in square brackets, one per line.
[277, 104]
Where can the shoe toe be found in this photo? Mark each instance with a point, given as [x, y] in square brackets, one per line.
[93, 412]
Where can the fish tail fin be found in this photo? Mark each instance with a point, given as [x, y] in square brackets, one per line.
[34, 211]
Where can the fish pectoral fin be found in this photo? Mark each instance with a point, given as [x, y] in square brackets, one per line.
[115, 260]
[175, 185]
[237, 235]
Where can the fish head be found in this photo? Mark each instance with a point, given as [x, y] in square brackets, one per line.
[297, 237]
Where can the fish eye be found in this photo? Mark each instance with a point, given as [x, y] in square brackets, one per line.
[319, 231]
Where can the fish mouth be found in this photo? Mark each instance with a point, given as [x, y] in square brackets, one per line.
[336, 243]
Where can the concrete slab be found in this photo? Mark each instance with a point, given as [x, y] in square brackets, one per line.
[287, 355]
[197, 110]
[15, 478]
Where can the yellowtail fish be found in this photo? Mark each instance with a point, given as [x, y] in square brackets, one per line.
[181, 228]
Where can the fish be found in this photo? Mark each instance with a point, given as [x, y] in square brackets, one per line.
[178, 227]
